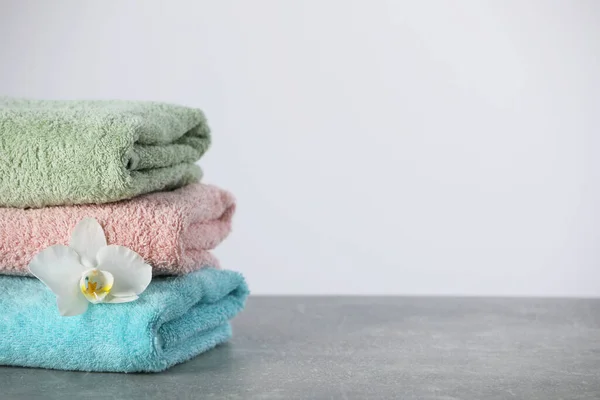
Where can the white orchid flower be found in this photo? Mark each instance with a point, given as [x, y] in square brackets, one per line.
[89, 271]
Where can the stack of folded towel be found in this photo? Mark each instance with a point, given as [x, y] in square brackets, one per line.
[105, 237]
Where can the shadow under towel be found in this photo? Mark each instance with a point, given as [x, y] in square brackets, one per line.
[78, 152]
[174, 320]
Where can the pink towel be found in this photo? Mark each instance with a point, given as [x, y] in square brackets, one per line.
[172, 231]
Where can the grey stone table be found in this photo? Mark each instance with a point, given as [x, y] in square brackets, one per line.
[369, 348]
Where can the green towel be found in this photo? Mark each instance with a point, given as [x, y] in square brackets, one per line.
[75, 152]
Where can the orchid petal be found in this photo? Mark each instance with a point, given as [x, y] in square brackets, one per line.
[132, 275]
[59, 268]
[87, 239]
[123, 299]
[73, 304]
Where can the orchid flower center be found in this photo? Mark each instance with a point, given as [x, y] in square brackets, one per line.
[95, 284]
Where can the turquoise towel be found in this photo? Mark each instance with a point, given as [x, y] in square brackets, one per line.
[77, 152]
[175, 319]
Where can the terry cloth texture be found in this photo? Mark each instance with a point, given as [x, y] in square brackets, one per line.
[175, 319]
[79, 152]
[172, 231]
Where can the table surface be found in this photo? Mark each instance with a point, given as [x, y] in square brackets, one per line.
[369, 348]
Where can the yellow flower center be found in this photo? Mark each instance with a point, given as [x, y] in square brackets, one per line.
[95, 285]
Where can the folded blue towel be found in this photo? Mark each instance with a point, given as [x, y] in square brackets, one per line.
[175, 319]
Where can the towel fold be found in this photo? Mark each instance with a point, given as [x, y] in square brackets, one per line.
[175, 319]
[172, 231]
[79, 152]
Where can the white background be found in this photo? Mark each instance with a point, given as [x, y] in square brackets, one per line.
[400, 147]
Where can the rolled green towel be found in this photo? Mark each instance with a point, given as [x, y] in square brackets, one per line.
[76, 152]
